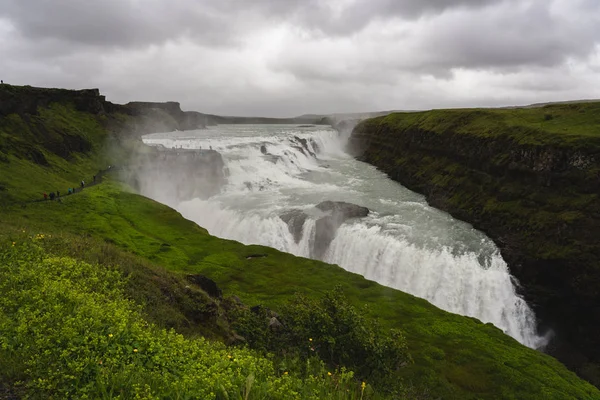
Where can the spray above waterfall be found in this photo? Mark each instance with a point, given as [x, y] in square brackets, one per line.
[278, 178]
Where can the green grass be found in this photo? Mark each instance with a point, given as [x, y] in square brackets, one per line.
[454, 357]
[67, 330]
[573, 125]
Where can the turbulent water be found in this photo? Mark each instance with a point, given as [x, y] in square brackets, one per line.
[403, 243]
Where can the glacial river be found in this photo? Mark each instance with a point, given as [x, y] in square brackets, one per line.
[403, 243]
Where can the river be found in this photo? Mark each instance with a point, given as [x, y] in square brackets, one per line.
[403, 243]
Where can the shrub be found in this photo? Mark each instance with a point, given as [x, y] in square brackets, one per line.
[330, 328]
[67, 331]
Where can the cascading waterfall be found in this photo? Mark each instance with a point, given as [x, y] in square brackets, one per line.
[403, 243]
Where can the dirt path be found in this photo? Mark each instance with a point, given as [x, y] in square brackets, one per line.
[78, 188]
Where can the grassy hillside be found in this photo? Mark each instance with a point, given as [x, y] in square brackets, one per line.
[530, 179]
[62, 249]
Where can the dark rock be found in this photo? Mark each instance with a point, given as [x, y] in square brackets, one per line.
[304, 144]
[257, 309]
[272, 158]
[181, 120]
[300, 149]
[26, 99]
[235, 339]
[295, 221]
[274, 324]
[326, 227]
[263, 149]
[345, 210]
[206, 284]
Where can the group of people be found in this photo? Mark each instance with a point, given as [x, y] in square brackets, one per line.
[56, 195]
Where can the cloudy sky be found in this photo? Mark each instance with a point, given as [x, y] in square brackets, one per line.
[289, 57]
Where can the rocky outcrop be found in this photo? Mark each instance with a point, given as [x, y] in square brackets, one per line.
[166, 117]
[295, 220]
[206, 284]
[327, 226]
[303, 146]
[534, 192]
[27, 99]
[329, 217]
[140, 117]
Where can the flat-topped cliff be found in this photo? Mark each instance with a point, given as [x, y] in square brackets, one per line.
[529, 178]
[150, 117]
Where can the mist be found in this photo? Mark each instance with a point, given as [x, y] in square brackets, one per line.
[297, 190]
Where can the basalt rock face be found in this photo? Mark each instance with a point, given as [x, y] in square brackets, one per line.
[534, 192]
[295, 220]
[26, 99]
[166, 117]
[140, 117]
[330, 215]
[327, 226]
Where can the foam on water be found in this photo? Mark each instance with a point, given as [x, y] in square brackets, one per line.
[404, 243]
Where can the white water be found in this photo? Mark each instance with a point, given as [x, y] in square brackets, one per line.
[403, 243]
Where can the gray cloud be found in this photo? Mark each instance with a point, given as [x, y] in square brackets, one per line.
[116, 23]
[283, 57]
[130, 23]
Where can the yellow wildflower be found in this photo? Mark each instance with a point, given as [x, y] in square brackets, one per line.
[363, 385]
[285, 373]
[135, 350]
[14, 243]
[329, 373]
[310, 339]
[110, 335]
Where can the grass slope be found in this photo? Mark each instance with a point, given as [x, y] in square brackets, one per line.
[454, 357]
[574, 125]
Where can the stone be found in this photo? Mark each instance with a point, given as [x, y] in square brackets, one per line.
[206, 284]
[274, 324]
[295, 220]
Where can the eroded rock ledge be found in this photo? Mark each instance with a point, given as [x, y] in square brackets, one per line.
[531, 180]
[330, 215]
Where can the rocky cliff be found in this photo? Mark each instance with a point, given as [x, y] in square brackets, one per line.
[39, 124]
[146, 117]
[529, 178]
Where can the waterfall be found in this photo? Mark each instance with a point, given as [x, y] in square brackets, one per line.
[404, 243]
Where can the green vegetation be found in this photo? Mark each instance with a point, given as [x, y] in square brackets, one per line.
[529, 178]
[108, 261]
[330, 328]
[574, 125]
[68, 331]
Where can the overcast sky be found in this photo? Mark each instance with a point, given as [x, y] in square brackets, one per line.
[290, 57]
